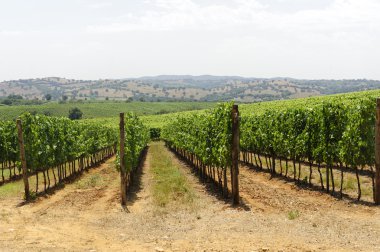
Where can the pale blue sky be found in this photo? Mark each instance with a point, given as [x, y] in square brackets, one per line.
[91, 39]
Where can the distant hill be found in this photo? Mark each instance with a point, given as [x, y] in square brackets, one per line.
[181, 87]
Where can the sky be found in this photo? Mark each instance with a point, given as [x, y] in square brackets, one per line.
[92, 39]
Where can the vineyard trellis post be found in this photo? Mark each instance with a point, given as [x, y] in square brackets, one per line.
[23, 159]
[123, 176]
[377, 153]
[235, 154]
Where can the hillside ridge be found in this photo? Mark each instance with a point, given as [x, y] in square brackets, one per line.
[181, 88]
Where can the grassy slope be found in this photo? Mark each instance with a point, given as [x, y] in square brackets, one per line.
[103, 109]
[246, 109]
[260, 107]
[152, 121]
[107, 112]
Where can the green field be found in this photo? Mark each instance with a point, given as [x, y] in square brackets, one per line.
[261, 107]
[160, 120]
[158, 114]
[103, 109]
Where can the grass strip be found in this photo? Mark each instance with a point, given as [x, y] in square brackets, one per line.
[170, 185]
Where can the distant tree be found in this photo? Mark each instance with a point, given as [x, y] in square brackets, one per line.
[107, 98]
[75, 114]
[130, 99]
[65, 97]
[48, 97]
[15, 97]
[6, 102]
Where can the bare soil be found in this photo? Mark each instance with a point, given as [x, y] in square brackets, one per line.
[274, 216]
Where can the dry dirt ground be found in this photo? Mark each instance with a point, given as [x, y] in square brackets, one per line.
[275, 216]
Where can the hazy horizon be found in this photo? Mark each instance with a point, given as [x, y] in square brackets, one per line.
[179, 75]
[115, 39]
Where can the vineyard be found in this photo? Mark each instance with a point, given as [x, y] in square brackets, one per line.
[56, 149]
[337, 134]
[205, 141]
[274, 161]
[323, 143]
[102, 109]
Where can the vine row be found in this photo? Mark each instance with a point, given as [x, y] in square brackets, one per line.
[204, 140]
[134, 138]
[57, 148]
[336, 135]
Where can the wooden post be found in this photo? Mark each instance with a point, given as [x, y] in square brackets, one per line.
[123, 177]
[377, 154]
[235, 154]
[23, 159]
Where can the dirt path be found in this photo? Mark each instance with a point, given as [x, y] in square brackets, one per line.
[323, 222]
[86, 216]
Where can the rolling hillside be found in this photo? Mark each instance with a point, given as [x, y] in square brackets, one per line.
[181, 88]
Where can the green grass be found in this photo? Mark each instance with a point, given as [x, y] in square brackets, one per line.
[6, 173]
[294, 214]
[92, 181]
[170, 185]
[152, 121]
[350, 183]
[12, 190]
[103, 109]
[15, 189]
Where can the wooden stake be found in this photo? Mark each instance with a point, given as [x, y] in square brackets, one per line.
[377, 154]
[23, 159]
[235, 154]
[123, 177]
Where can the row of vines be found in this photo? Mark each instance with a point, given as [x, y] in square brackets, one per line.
[204, 140]
[9, 153]
[334, 138]
[55, 148]
[134, 138]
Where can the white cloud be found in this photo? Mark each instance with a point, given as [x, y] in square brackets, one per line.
[262, 38]
[169, 15]
[172, 15]
[10, 33]
[100, 5]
